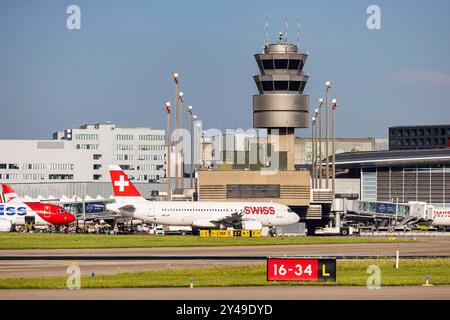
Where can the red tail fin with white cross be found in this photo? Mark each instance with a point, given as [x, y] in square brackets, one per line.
[122, 186]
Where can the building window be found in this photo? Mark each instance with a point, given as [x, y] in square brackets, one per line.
[126, 167]
[60, 176]
[125, 147]
[294, 85]
[281, 85]
[13, 166]
[267, 85]
[97, 176]
[86, 137]
[369, 185]
[97, 166]
[253, 191]
[126, 137]
[268, 64]
[87, 146]
[293, 64]
[281, 63]
[97, 156]
[302, 86]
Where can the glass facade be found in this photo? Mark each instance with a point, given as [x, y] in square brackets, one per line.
[410, 138]
[368, 185]
[429, 184]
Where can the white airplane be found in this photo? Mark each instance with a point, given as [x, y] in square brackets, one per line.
[130, 203]
[13, 212]
[441, 217]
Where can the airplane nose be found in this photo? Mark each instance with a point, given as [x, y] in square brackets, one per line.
[68, 217]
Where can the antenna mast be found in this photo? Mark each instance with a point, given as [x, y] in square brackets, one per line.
[267, 30]
[298, 32]
[286, 29]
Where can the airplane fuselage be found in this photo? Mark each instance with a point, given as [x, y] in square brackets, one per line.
[207, 214]
[43, 214]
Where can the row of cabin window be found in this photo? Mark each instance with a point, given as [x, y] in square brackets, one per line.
[283, 85]
[270, 64]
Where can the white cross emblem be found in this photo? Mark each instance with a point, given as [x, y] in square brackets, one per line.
[121, 183]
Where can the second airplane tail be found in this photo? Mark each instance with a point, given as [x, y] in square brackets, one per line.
[7, 194]
[122, 186]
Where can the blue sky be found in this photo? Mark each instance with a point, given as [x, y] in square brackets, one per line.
[118, 66]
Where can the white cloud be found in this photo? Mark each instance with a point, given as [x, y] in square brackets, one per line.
[421, 76]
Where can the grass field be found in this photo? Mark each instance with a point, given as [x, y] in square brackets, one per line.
[349, 272]
[79, 241]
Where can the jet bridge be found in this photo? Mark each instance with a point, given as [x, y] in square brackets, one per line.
[383, 214]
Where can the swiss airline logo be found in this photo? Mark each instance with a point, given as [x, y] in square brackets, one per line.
[444, 213]
[259, 210]
[122, 186]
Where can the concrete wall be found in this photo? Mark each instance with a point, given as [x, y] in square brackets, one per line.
[348, 186]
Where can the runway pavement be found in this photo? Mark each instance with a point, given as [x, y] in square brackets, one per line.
[34, 268]
[236, 293]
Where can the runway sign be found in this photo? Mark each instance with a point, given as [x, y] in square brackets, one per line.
[256, 233]
[292, 269]
[220, 233]
[204, 233]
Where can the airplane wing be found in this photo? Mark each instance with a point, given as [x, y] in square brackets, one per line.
[229, 219]
[129, 208]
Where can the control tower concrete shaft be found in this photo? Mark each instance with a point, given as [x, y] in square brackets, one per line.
[281, 105]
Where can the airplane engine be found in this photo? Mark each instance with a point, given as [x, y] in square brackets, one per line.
[203, 224]
[252, 225]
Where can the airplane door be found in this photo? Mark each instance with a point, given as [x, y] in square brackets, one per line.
[151, 214]
[46, 211]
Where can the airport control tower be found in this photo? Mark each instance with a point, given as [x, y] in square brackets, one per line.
[281, 105]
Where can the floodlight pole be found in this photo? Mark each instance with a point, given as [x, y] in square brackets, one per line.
[169, 186]
[192, 148]
[313, 157]
[333, 147]
[320, 142]
[327, 168]
[175, 79]
[182, 140]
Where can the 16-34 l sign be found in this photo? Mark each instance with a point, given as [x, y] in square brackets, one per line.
[292, 269]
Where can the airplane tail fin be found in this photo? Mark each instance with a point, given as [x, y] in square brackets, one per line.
[8, 194]
[122, 186]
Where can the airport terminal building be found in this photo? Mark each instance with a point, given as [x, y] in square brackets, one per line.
[404, 175]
